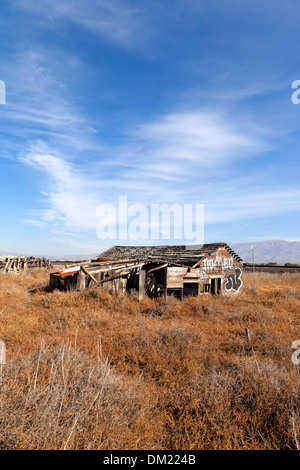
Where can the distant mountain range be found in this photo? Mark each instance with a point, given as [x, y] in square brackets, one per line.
[269, 251]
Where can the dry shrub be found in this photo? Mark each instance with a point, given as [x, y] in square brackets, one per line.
[238, 406]
[56, 398]
[212, 372]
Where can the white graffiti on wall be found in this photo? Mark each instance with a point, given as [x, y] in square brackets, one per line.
[232, 280]
[203, 276]
[212, 263]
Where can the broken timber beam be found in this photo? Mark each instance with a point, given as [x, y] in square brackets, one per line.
[115, 275]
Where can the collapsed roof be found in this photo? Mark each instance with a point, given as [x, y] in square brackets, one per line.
[177, 254]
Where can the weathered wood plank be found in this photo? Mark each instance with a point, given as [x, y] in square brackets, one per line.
[142, 279]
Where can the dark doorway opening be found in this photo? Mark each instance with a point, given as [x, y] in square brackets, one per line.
[216, 285]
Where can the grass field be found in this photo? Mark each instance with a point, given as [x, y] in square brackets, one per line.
[89, 370]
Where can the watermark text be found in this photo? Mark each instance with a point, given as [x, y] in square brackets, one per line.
[155, 222]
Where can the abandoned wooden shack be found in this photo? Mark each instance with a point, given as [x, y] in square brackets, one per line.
[20, 263]
[157, 270]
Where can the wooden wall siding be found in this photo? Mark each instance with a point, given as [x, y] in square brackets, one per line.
[215, 266]
[175, 277]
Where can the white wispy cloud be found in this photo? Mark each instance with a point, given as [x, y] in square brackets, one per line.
[39, 92]
[203, 138]
[41, 106]
[150, 173]
[242, 204]
[115, 21]
[176, 157]
[70, 199]
[185, 155]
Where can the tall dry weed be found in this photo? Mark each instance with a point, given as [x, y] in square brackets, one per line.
[213, 372]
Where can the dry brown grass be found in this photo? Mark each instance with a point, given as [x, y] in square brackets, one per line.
[89, 370]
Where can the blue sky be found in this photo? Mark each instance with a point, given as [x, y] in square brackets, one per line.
[166, 101]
